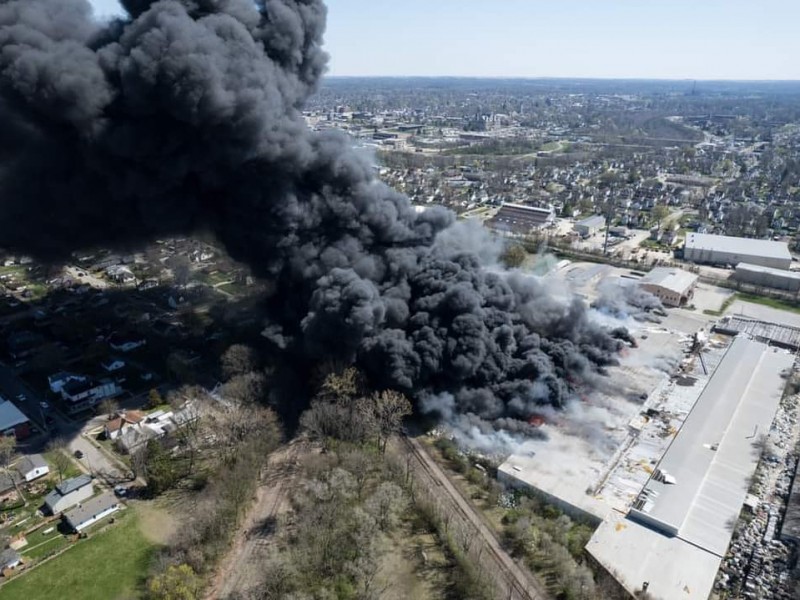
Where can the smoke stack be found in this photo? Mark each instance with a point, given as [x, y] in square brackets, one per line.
[185, 116]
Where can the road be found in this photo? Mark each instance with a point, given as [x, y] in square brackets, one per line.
[512, 581]
[240, 571]
[94, 461]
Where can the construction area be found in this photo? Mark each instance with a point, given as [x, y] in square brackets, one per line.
[662, 455]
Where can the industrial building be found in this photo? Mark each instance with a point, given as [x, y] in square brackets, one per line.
[678, 528]
[673, 286]
[783, 336]
[518, 219]
[591, 225]
[767, 277]
[725, 250]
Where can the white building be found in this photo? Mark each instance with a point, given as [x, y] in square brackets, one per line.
[726, 250]
[69, 493]
[91, 511]
[671, 285]
[32, 467]
[590, 226]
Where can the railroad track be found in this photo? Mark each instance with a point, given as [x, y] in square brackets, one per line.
[511, 580]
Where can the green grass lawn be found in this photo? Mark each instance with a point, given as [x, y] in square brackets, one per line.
[110, 564]
[771, 302]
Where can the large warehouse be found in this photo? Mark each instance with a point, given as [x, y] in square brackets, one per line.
[679, 525]
[768, 277]
[725, 250]
[518, 219]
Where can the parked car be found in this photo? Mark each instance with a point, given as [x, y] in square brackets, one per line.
[22, 397]
[120, 491]
[78, 454]
[44, 405]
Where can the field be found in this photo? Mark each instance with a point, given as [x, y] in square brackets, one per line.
[110, 564]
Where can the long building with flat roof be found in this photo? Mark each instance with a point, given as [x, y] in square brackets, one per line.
[725, 250]
[680, 525]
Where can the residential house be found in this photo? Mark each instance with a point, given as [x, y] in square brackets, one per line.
[123, 420]
[32, 467]
[83, 395]
[13, 421]
[126, 343]
[91, 511]
[69, 493]
[120, 274]
[9, 559]
[58, 380]
[114, 364]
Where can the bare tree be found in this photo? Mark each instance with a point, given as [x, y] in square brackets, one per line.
[386, 504]
[390, 408]
[109, 407]
[246, 388]
[61, 461]
[238, 359]
[8, 452]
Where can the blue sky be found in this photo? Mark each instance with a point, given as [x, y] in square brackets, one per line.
[679, 39]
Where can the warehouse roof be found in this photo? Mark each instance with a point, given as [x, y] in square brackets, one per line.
[520, 218]
[701, 482]
[767, 270]
[10, 416]
[593, 221]
[676, 280]
[737, 245]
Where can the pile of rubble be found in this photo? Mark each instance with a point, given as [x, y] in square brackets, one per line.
[759, 564]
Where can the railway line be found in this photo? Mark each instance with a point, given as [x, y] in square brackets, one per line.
[512, 582]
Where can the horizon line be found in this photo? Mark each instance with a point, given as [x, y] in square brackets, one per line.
[566, 77]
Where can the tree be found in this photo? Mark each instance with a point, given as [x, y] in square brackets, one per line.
[238, 359]
[246, 388]
[60, 460]
[659, 213]
[181, 269]
[159, 468]
[8, 452]
[389, 408]
[178, 582]
[514, 256]
[386, 504]
[109, 407]
[154, 399]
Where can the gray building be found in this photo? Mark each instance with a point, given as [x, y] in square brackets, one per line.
[725, 250]
[767, 277]
[69, 493]
[590, 226]
[91, 511]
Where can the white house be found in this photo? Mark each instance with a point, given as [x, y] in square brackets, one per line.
[126, 344]
[9, 559]
[120, 274]
[32, 467]
[60, 379]
[115, 364]
[91, 511]
[82, 395]
[69, 493]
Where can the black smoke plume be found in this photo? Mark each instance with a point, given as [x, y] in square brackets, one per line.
[186, 116]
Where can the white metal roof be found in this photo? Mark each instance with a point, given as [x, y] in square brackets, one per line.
[671, 278]
[783, 274]
[737, 245]
[716, 450]
[10, 416]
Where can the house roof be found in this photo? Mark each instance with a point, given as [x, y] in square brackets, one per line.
[131, 417]
[30, 462]
[9, 556]
[593, 221]
[91, 508]
[10, 416]
[70, 485]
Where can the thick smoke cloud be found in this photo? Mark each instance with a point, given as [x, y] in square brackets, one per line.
[186, 116]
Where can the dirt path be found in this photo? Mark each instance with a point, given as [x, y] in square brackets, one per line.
[512, 582]
[239, 570]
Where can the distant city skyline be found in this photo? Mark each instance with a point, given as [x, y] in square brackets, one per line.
[658, 39]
